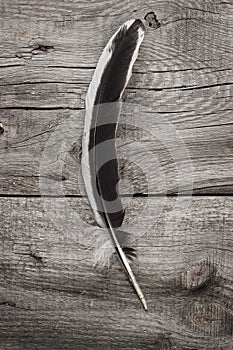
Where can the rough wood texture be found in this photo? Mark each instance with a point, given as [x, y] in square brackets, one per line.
[52, 299]
[183, 74]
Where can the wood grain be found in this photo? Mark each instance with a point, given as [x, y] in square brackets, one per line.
[51, 297]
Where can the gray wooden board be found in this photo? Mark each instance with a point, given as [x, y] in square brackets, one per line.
[51, 298]
[183, 73]
[207, 149]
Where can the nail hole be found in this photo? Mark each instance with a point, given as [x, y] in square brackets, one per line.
[152, 21]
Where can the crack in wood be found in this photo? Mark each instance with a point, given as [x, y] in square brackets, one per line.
[48, 108]
[8, 303]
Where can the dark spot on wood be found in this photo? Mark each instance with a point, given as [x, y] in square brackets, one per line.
[8, 303]
[18, 55]
[44, 48]
[152, 21]
[35, 256]
[57, 177]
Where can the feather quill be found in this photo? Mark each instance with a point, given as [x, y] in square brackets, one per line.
[99, 157]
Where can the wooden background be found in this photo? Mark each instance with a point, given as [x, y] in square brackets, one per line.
[50, 296]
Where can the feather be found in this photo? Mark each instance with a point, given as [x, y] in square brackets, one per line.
[99, 156]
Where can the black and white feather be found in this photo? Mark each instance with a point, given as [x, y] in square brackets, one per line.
[99, 157]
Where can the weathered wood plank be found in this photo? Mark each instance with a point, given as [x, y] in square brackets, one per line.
[26, 134]
[183, 25]
[48, 56]
[50, 297]
[106, 9]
